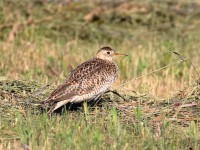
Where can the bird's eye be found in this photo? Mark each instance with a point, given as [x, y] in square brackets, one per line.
[108, 52]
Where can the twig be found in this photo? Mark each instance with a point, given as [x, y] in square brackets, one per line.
[188, 105]
[116, 93]
[40, 91]
[13, 32]
[182, 58]
[184, 106]
[152, 72]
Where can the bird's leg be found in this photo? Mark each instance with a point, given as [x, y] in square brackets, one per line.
[97, 99]
[116, 93]
[50, 111]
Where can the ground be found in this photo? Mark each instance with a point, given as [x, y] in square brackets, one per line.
[42, 41]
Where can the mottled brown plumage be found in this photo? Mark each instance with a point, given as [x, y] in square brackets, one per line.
[88, 81]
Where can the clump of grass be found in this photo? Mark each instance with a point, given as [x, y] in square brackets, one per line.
[112, 120]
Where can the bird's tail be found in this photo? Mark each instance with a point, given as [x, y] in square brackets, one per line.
[56, 106]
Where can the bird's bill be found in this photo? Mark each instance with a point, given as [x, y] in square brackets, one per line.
[119, 54]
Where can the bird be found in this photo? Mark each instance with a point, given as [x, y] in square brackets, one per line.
[89, 81]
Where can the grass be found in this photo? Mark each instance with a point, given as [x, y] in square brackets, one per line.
[44, 41]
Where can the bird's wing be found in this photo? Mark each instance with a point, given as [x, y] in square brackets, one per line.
[62, 91]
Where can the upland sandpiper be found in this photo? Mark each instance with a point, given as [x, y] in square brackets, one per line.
[88, 81]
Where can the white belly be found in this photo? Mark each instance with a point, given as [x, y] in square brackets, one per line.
[89, 96]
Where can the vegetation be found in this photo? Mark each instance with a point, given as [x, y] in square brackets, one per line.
[42, 41]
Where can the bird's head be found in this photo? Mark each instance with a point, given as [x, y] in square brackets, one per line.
[108, 53]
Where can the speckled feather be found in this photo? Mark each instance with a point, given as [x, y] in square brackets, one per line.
[88, 81]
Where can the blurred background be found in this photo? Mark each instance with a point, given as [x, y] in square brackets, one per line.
[43, 39]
